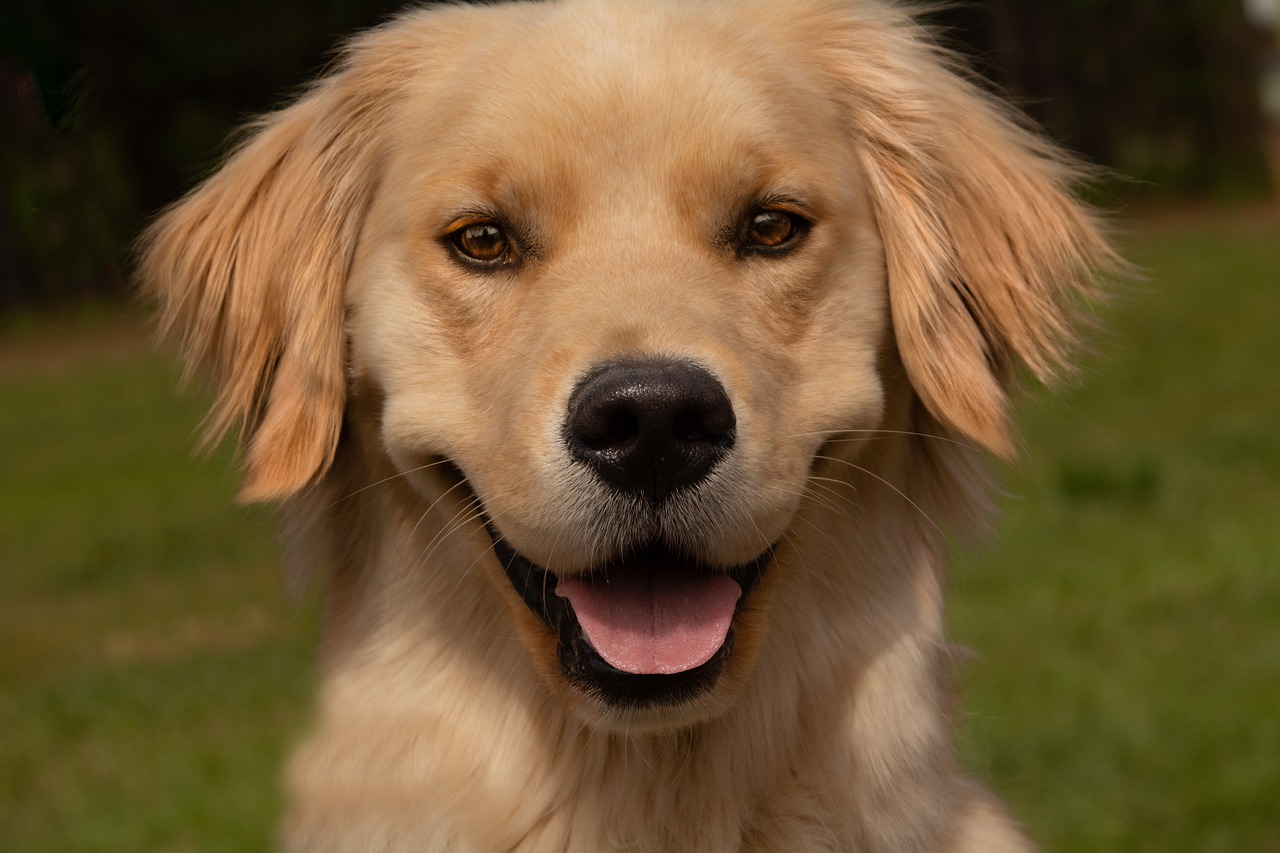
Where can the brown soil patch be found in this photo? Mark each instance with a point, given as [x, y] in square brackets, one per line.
[58, 345]
[1252, 218]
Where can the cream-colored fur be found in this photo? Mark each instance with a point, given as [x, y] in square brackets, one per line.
[388, 393]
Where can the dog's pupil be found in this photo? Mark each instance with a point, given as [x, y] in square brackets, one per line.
[771, 228]
[484, 242]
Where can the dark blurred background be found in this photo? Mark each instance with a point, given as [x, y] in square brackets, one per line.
[109, 109]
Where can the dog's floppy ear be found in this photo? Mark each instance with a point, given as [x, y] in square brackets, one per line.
[988, 252]
[249, 272]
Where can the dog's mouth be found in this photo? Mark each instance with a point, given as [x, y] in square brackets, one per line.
[654, 626]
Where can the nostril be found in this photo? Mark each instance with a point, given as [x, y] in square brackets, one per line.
[650, 426]
[688, 427]
[710, 422]
[606, 426]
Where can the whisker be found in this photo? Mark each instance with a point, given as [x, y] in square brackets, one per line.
[472, 511]
[386, 480]
[830, 484]
[901, 493]
[881, 434]
[463, 574]
[831, 500]
[820, 530]
[433, 505]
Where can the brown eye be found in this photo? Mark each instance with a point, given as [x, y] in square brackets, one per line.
[485, 243]
[770, 230]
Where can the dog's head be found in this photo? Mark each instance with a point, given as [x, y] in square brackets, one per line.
[618, 274]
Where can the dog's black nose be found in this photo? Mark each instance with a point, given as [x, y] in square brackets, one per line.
[650, 426]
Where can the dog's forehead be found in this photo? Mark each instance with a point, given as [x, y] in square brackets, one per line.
[578, 58]
[590, 96]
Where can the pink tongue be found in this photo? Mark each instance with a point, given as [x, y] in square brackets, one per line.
[653, 620]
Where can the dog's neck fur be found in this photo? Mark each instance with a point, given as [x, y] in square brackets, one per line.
[434, 694]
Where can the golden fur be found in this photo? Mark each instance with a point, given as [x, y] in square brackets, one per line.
[311, 280]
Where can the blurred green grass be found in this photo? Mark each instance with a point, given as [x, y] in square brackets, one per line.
[154, 671]
[1128, 614]
[152, 666]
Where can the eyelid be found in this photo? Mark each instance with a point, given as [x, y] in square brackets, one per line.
[467, 218]
[785, 203]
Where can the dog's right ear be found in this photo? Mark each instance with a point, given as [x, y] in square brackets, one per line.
[988, 253]
[249, 271]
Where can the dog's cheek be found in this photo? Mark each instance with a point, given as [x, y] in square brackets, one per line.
[538, 640]
[404, 346]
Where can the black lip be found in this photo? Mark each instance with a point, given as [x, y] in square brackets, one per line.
[583, 665]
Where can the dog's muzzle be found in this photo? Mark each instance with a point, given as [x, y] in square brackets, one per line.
[653, 625]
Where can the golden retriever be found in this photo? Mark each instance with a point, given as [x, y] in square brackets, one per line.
[619, 365]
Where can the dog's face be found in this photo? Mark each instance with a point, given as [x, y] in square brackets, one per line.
[619, 275]
[627, 295]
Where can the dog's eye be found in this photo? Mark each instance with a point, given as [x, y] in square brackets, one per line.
[484, 243]
[772, 230]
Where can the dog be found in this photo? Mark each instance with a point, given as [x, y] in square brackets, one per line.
[623, 369]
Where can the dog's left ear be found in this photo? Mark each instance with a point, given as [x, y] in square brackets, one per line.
[250, 269]
[988, 252]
